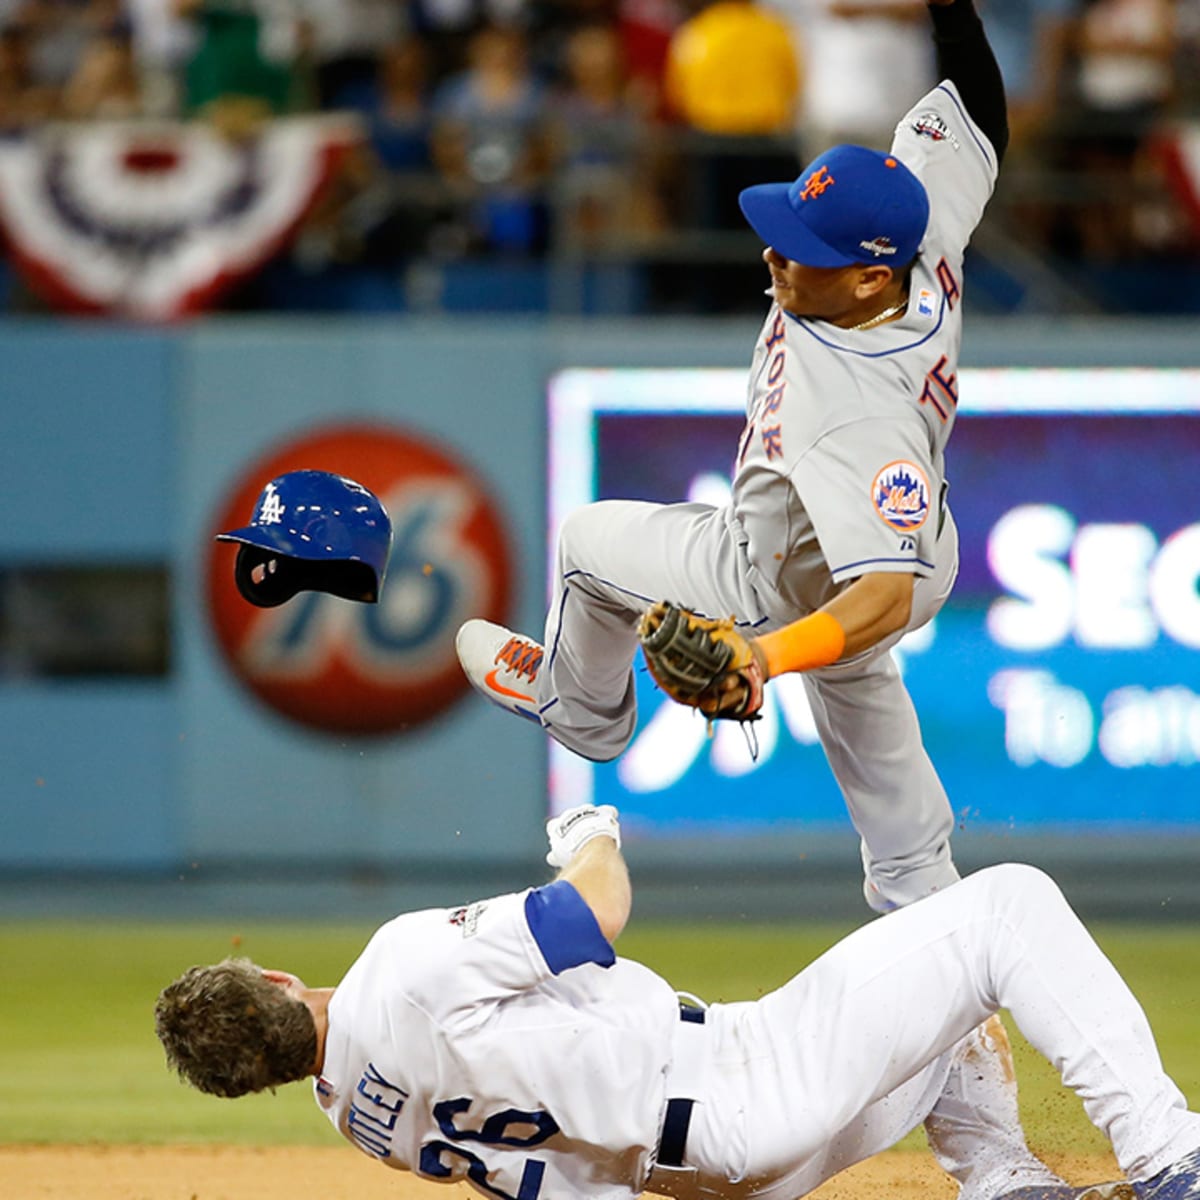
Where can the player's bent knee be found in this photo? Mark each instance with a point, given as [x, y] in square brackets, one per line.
[589, 524]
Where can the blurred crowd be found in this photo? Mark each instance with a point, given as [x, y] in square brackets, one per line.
[525, 127]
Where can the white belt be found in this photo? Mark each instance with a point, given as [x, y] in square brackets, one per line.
[670, 1174]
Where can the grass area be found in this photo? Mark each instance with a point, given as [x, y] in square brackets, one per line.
[81, 1062]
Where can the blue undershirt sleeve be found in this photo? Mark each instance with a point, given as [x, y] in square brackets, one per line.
[565, 929]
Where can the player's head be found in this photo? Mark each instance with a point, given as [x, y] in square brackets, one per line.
[849, 206]
[230, 1029]
[312, 531]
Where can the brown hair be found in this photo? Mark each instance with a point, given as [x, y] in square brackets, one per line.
[228, 1030]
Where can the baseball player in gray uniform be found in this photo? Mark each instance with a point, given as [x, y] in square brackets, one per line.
[838, 539]
[504, 1044]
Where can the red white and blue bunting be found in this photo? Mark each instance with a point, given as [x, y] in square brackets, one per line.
[154, 221]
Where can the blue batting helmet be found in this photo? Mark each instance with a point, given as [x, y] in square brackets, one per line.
[312, 531]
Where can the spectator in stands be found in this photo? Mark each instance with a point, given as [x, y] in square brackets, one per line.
[399, 202]
[24, 102]
[449, 26]
[61, 30]
[1031, 39]
[646, 28]
[1124, 83]
[1187, 55]
[732, 70]
[347, 36]
[1173, 149]
[490, 141]
[1125, 63]
[608, 163]
[397, 105]
[249, 61]
[592, 101]
[550, 25]
[163, 41]
[864, 61]
[733, 77]
[106, 84]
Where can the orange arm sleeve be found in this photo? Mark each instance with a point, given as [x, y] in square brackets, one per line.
[813, 641]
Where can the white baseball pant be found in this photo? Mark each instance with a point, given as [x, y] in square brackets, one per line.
[856, 1050]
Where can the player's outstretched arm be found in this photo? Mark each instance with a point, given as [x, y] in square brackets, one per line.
[598, 873]
[585, 843]
[966, 59]
[871, 608]
[708, 664]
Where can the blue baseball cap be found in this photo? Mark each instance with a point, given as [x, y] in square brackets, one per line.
[849, 205]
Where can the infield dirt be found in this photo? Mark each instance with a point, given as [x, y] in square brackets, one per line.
[102, 1172]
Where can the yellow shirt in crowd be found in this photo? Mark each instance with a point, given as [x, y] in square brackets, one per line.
[732, 70]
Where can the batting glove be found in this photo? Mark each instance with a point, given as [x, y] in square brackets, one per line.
[569, 832]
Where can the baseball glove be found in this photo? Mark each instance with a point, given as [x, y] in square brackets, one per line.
[702, 663]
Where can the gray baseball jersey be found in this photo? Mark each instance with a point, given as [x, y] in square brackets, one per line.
[840, 474]
[840, 468]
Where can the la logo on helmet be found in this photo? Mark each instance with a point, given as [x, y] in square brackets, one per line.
[271, 512]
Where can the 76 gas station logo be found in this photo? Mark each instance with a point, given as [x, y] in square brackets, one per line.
[354, 668]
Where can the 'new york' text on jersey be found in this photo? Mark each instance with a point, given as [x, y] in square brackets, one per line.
[846, 430]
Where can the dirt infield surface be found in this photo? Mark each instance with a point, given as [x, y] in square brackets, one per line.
[310, 1173]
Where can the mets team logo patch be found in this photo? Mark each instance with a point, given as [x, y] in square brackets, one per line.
[900, 493]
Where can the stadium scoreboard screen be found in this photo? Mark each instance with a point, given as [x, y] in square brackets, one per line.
[1059, 686]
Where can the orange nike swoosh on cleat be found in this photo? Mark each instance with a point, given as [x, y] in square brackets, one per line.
[490, 680]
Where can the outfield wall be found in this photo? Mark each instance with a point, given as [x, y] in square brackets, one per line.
[125, 447]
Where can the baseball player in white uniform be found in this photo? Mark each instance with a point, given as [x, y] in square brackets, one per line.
[838, 539]
[504, 1044]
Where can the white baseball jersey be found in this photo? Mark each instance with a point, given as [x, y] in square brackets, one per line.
[489, 1044]
[840, 470]
[456, 1051]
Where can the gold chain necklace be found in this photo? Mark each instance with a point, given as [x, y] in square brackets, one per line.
[878, 318]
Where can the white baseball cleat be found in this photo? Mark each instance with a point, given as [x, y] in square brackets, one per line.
[1180, 1181]
[502, 665]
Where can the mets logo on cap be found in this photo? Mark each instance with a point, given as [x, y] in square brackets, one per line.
[900, 493]
[348, 668]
